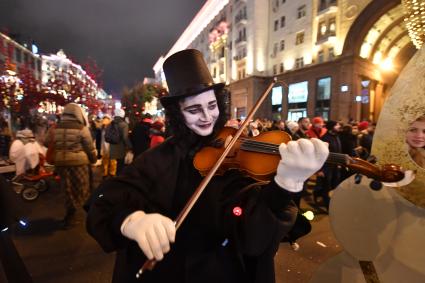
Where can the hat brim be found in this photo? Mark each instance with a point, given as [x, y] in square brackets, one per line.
[171, 99]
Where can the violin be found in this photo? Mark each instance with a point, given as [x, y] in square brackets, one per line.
[259, 156]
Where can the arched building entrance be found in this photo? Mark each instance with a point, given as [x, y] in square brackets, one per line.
[380, 46]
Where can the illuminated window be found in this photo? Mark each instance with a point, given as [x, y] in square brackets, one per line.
[282, 45]
[18, 54]
[320, 56]
[326, 28]
[324, 4]
[301, 12]
[282, 21]
[299, 38]
[322, 28]
[331, 26]
[299, 63]
[331, 53]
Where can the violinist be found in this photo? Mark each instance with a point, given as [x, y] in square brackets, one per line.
[233, 231]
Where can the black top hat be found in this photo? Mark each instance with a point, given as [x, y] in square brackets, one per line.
[187, 74]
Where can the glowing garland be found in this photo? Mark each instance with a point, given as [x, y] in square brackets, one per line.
[415, 20]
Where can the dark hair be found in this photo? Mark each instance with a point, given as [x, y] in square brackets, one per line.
[347, 129]
[176, 125]
[301, 119]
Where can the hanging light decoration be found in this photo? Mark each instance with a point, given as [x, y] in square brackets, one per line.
[415, 20]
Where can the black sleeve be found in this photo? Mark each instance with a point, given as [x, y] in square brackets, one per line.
[111, 203]
[268, 214]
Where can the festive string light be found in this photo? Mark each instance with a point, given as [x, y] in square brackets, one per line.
[415, 20]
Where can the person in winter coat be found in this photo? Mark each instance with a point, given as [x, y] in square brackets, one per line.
[304, 126]
[24, 151]
[292, 129]
[317, 128]
[109, 168]
[74, 152]
[234, 230]
[331, 172]
[140, 136]
[156, 133]
[118, 151]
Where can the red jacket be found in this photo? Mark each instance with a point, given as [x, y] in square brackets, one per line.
[313, 133]
[155, 140]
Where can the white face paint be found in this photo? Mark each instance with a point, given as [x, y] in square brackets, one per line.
[200, 112]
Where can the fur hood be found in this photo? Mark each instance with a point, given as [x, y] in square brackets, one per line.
[73, 109]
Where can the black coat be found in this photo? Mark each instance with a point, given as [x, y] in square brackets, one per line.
[212, 245]
[140, 138]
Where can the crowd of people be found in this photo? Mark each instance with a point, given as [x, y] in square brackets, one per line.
[352, 138]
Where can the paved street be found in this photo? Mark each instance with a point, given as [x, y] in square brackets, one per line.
[54, 255]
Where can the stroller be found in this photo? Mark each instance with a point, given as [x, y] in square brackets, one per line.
[32, 174]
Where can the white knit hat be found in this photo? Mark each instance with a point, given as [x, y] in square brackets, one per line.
[119, 112]
[292, 126]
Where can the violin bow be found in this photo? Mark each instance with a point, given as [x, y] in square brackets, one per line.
[150, 264]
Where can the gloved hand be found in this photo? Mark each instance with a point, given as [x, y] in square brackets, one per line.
[128, 157]
[153, 232]
[300, 160]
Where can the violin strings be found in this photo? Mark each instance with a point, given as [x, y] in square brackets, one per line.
[265, 147]
[259, 146]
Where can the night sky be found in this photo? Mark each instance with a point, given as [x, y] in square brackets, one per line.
[124, 37]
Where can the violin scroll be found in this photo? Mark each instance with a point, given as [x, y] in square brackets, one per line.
[388, 173]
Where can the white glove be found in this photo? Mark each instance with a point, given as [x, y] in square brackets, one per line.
[153, 232]
[128, 157]
[300, 160]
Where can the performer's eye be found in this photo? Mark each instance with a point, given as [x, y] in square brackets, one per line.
[193, 111]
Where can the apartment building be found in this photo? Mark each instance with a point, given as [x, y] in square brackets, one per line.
[336, 59]
[18, 57]
[59, 64]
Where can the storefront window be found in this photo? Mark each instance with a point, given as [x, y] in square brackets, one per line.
[297, 100]
[277, 94]
[324, 88]
[323, 96]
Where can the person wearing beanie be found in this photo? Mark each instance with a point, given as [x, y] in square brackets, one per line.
[363, 126]
[317, 129]
[119, 113]
[234, 230]
[109, 168]
[365, 137]
[292, 128]
[330, 175]
[118, 151]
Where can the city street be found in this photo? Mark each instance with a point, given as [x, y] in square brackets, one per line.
[54, 255]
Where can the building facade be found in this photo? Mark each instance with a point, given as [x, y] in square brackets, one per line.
[333, 58]
[16, 57]
[21, 67]
[59, 66]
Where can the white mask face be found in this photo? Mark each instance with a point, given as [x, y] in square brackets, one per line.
[200, 112]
